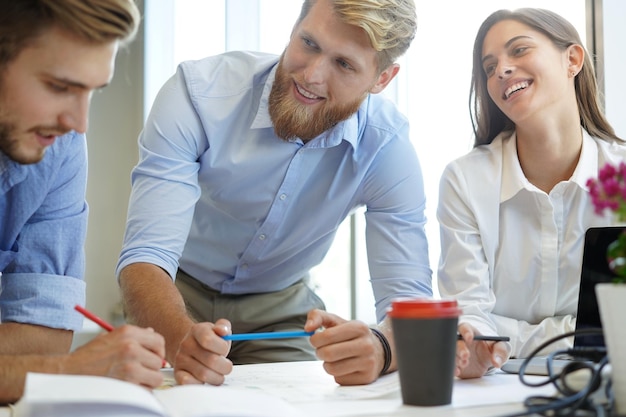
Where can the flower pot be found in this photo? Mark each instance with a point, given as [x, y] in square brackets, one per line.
[612, 305]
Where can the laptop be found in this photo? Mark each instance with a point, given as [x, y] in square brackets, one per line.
[594, 270]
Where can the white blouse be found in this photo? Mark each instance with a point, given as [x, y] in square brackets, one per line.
[510, 253]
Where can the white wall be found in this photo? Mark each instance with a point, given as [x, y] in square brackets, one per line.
[116, 118]
[614, 15]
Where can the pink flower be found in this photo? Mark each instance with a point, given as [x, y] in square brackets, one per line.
[608, 191]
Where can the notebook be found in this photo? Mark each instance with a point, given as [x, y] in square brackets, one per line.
[594, 270]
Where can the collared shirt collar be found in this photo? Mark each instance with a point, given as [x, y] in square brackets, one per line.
[11, 173]
[588, 163]
[347, 130]
[514, 180]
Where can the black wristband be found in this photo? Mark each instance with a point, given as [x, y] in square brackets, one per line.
[386, 350]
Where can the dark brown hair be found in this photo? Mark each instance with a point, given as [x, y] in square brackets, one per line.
[488, 120]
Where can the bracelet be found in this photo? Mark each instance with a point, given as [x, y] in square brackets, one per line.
[386, 350]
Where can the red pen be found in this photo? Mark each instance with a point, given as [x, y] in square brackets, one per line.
[100, 322]
[106, 326]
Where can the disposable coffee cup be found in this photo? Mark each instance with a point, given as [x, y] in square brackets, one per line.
[425, 335]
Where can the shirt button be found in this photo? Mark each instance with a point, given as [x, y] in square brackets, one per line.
[283, 196]
[262, 237]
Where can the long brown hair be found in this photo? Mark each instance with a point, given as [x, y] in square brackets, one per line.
[488, 120]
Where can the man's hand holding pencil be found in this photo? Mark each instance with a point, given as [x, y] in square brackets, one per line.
[127, 352]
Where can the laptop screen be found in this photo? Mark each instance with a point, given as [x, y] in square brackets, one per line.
[595, 269]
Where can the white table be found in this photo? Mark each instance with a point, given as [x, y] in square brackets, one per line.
[310, 390]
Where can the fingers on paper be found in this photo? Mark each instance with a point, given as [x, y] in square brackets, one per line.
[202, 355]
[147, 377]
[353, 371]
[211, 369]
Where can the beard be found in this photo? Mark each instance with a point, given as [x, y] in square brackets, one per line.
[11, 146]
[292, 119]
[8, 145]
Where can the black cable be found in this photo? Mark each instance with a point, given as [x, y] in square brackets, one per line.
[573, 401]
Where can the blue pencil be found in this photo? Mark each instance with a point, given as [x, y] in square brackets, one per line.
[268, 335]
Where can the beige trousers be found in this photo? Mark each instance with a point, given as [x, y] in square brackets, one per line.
[284, 310]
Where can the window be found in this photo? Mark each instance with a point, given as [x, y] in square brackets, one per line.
[431, 90]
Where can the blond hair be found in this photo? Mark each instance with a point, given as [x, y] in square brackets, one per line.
[97, 21]
[390, 24]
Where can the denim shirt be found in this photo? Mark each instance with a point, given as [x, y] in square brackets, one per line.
[43, 222]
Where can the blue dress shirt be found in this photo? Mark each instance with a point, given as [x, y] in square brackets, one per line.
[244, 211]
[43, 224]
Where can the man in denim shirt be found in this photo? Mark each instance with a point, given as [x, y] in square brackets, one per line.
[53, 55]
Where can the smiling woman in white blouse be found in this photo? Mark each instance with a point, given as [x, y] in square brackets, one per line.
[513, 212]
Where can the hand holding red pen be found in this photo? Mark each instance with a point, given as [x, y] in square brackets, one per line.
[127, 352]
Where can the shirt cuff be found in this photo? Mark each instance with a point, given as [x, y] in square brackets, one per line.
[42, 299]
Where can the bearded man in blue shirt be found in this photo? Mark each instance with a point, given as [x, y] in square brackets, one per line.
[248, 164]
